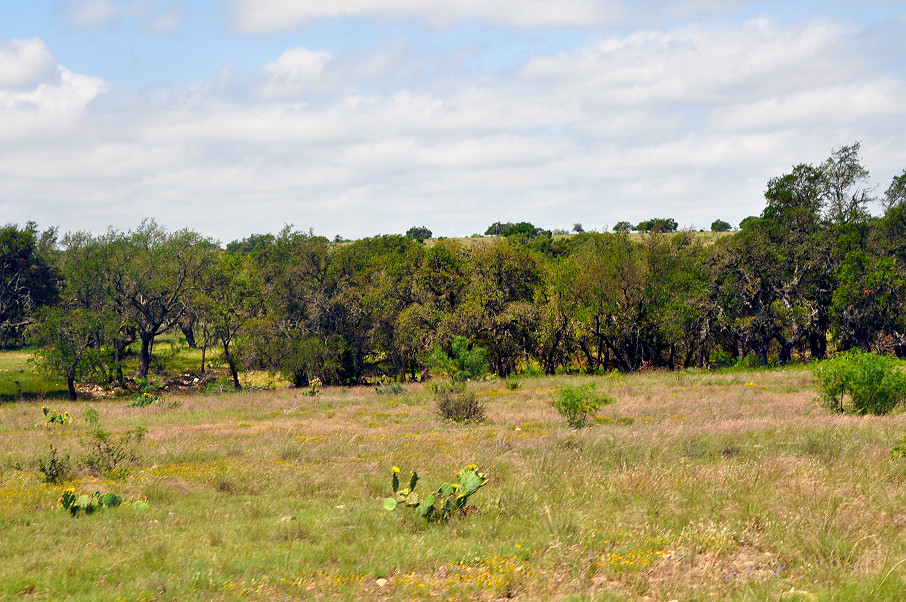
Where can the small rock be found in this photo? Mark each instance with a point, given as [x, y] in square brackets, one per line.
[287, 519]
[381, 582]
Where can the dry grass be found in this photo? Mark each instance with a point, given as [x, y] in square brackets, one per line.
[709, 486]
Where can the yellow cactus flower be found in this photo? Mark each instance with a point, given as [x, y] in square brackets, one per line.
[396, 469]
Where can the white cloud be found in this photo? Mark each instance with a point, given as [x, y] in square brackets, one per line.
[687, 122]
[48, 109]
[152, 16]
[292, 72]
[25, 63]
[270, 16]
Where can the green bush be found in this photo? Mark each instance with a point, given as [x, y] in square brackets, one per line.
[389, 389]
[464, 362]
[861, 383]
[576, 404]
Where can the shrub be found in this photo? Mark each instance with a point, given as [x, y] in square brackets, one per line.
[105, 451]
[389, 389]
[456, 403]
[511, 383]
[56, 469]
[576, 404]
[861, 383]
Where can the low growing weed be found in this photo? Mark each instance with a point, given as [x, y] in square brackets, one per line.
[105, 451]
[56, 469]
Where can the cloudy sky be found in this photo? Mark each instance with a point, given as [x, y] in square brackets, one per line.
[359, 117]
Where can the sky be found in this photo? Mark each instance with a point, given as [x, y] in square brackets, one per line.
[366, 117]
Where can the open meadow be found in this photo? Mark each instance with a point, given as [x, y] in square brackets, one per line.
[693, 486]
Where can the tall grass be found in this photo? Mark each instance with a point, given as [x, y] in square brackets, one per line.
[734, 486]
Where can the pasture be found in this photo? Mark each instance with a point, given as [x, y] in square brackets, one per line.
[694, 486]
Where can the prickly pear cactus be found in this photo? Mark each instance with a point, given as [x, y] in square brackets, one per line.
[441, 504]
[470, 481]
[88, 504]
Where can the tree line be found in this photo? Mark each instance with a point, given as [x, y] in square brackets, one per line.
[814, 268]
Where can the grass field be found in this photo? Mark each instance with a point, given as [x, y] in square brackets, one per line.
[693, 486]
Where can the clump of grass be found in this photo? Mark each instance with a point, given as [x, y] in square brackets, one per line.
[456, 403]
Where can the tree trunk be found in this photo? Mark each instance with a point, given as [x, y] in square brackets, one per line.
[762, 353]
[189, 333]
[233, 372]
[147, 346]
[70, 384]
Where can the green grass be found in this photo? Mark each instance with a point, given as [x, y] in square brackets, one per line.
[727, 486]
[16, 366]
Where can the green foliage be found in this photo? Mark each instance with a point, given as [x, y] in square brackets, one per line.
[28, 278]
[456, 403]
[577, 404]
[88, 504]
[508, 229]
[448, 499]
[221, 385]
[419, 233]
[52, 417]
[464, 362]
[147, 392]
[861, 383]
[720, 225]
[106, 451]
[896, 192]
[623, 227]
[56, 469]
[389, 389]
[658, 224]
[68, 344]
[511, 383]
